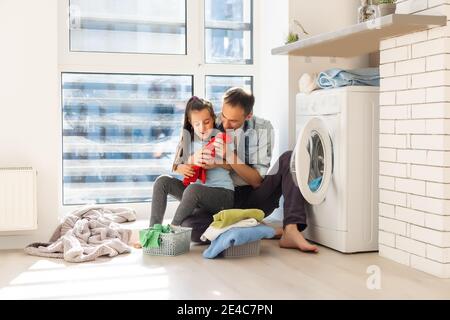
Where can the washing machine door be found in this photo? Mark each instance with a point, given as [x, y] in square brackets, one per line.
[314, 161]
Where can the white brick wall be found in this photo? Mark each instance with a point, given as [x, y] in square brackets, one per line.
[387, 239]
[415, 144]
[430, 111]
[387, 210]
[438, 254]
[436, 222]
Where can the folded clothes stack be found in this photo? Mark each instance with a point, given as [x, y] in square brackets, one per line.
[234, 228]
[336, 78]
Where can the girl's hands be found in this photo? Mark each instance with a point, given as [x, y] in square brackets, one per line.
[201, 157]
[185, 170]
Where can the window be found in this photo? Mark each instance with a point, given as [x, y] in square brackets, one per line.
[119, 134]
[128, 67]
[130, 26]
[216, 86]
[228, 34]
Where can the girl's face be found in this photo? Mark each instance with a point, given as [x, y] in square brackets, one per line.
[202, 122]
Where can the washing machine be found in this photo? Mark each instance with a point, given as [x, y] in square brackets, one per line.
[335, 165]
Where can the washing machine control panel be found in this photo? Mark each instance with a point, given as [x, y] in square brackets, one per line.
[319, 103]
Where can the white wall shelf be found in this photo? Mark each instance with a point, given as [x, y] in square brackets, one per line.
[361, 38]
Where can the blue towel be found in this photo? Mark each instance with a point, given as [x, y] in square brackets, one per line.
[237, 237]
[335, 78]
[315, 184]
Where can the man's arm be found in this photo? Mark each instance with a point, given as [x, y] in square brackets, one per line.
[260, 154]
[232, 161]
[247, 173]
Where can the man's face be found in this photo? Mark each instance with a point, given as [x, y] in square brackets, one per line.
[233, 117]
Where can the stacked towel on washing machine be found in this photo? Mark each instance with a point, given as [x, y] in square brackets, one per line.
[335, 78]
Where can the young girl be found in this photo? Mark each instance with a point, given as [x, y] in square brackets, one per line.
[218, 191]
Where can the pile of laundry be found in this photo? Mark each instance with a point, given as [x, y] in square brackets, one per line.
[235, 227]
[336, 78]
[86, 234]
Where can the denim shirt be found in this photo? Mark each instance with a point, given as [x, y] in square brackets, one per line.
[254, 145]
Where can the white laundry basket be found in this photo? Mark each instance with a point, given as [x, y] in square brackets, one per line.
[171, 244]
[250, 249]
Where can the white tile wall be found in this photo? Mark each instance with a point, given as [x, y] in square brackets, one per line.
[415, 144]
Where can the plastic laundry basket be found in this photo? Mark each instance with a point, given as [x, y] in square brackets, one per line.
[171, 244]
[250, 249]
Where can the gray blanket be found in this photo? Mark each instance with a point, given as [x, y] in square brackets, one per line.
[86, 234]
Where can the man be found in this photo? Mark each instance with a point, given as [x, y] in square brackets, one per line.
[249, 161]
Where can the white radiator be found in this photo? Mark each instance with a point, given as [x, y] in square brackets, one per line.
[18, 207]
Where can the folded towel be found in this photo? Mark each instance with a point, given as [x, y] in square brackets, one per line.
[237, 237]
[212, 233]
[228, 217]
[149, 238]
[335, 78]
[308, 83]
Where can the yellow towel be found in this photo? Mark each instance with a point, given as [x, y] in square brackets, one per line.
[226, 218]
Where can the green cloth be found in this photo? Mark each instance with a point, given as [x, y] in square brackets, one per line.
[226, 218]
[150, 237]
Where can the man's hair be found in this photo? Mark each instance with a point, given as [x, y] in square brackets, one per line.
[238, 97]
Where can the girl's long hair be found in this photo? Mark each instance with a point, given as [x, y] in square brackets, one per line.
[187, 134]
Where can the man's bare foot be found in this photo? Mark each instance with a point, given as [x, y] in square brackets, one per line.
[293, 239]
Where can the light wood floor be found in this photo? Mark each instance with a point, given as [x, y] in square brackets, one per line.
[275, 274]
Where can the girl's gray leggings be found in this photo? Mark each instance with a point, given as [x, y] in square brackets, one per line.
[190, 197]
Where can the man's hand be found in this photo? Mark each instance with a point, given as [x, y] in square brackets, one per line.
[220, 147]
[185, 170]
[224, 152]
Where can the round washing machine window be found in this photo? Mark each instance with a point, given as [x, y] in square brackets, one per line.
[316, 153]
[313, 161]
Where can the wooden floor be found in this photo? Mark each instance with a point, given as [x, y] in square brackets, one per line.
[275, 274]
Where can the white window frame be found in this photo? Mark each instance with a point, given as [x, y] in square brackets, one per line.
[193, 63]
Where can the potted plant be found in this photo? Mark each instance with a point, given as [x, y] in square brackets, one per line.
[387, 7]
[293, 36]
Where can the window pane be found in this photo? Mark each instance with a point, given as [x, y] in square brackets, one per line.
[129, 26]
[216, 86]
[119, 134]
[228, 34]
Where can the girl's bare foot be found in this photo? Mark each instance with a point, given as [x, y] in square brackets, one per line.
[293, 239]
[137, 245]
[278, 231]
